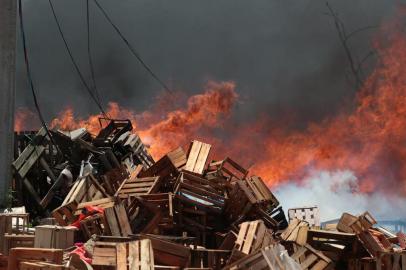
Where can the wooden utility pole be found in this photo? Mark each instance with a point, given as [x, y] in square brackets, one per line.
[7, 92]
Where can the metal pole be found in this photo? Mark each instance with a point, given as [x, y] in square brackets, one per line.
[7, 92]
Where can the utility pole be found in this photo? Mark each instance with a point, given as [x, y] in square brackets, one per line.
[8, 18]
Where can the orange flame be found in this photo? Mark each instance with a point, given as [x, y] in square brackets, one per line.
[370, 140]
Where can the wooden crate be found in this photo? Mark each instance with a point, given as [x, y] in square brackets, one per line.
[167, 165]
[344, 223]
[86, 189]
[134, 255]
[133, 187]
[197, 157]
[375, 242]
[272, 257]
[169, 253]
[363, 223]
[296, 232]
[199, 192]
[253, 235]
[261, 191]
[11, 223]
[18, 255]
[227, 168]
[328, 240]
[17, 240]
[309, 214]
[310, 258]
[100, 203]
[383, 261]
[40, 266]
[202, 258]
[152, 212]
[95, 224]
[114, 178]
[117, 220]
[53, 236]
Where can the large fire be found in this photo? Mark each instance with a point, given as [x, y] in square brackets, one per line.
[369, 140]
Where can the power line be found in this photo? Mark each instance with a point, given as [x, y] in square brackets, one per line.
[73, 60]
[29, 75]
[89, 53]
[132, 49]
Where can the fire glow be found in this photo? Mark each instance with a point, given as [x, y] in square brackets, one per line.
[369, 140]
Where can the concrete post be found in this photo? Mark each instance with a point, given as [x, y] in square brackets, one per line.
[7, 92]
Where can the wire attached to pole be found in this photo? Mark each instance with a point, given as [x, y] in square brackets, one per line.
[74, 62]
[132, 49]
[89, 53]
[29, 75]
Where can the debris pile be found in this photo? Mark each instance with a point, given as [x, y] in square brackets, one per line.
[112, 207]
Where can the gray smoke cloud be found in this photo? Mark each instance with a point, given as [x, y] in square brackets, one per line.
[283, 55]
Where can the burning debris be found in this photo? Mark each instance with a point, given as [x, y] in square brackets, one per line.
[103, 203]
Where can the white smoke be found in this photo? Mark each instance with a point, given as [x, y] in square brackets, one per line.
[335, 192]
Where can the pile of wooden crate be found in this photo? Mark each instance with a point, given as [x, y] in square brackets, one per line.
[184, 211]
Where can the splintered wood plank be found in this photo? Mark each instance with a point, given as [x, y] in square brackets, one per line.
[121, 254]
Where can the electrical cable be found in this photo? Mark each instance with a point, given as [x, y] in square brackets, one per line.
[89, 54]
[74, 62]
[29, 74]
[132, 49]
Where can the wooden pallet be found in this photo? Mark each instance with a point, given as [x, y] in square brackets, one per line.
[18, 255]
[134, 255]
[309, 258]
[197, 157]
[261, 191]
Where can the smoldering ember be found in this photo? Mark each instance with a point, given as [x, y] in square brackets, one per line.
[292, 157]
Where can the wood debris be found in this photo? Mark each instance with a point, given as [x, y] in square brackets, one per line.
[184, 211]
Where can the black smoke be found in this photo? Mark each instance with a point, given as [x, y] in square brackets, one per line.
[283, 55]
